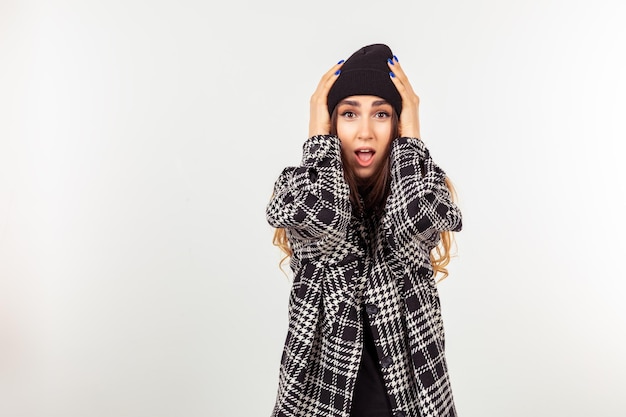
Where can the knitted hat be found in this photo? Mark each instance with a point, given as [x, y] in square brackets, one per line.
[366, 73]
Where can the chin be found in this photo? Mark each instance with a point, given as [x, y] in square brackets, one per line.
[364, 176]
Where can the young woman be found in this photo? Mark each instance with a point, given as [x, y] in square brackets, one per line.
[366, 220]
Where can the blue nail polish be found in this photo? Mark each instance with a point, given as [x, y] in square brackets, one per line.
[396, 58]
[392, 75]
[337, 72]
[340, 62]
[390, 61]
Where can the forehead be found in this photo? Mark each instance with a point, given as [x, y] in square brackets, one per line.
[364, 100]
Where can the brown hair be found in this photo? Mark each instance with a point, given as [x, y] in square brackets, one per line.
[370, 196]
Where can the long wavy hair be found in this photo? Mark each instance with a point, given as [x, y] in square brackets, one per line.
[369, 197]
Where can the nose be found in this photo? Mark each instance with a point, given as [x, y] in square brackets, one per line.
[365, 129]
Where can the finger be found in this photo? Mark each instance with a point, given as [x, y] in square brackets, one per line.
[400, 76]
[404, 87]
[405, 93]
[329, 78]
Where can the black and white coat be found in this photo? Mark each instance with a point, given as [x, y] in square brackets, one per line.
[344, 263]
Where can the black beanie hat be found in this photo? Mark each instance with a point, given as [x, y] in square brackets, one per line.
[366, 73]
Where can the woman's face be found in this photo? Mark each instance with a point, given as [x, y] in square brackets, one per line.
[364, 126]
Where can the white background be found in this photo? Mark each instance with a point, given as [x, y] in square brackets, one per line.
[139, 143]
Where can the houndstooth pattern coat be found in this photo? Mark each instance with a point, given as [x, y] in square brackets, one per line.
[344, 264]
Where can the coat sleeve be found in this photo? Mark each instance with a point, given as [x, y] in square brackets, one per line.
[419, 204]
[312, 200]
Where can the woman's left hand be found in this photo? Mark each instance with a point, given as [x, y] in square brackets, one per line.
[409, 123]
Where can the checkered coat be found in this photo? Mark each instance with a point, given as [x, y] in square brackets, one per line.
[343, 264]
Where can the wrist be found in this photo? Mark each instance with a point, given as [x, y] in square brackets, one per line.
[316, 130]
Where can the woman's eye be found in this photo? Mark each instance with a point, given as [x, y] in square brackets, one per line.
[348, 114]
[382, 114]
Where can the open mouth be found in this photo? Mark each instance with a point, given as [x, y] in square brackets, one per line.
[364, 156]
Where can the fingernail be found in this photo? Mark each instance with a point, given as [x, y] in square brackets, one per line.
[340, 62]
[337, 72]
[392, 75]
[396, 58]
[390, 61]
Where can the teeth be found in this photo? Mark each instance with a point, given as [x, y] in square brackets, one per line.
[365, 150]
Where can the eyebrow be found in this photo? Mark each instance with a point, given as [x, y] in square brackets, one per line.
[357, 104]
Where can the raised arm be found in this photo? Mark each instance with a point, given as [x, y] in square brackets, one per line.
[311, 201]
[420, 205]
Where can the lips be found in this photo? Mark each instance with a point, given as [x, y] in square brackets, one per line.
[364, 156]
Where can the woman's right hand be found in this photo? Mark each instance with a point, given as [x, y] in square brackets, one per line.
[319, 119]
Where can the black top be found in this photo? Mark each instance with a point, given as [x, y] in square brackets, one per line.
[370, 396]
